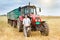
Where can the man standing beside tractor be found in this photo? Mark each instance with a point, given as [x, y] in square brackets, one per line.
[26, 26]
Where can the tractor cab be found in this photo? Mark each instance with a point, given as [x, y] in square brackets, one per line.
[28, 10]
[31, 11]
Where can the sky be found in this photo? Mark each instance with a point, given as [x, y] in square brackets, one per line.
[48, 7]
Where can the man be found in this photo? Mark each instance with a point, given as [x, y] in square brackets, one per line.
[26, 23]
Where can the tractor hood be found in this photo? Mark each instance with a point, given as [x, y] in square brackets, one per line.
[34, 17]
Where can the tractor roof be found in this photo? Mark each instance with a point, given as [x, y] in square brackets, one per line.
[29, 6]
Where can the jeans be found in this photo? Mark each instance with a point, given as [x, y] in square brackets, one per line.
[25, 30]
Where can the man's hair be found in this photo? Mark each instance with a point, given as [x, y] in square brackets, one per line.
[25, 15]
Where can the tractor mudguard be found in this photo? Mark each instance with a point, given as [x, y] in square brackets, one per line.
[20, 18]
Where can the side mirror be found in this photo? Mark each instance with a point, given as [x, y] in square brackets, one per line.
[39, 9]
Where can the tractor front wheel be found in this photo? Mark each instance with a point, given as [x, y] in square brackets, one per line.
[45, 29]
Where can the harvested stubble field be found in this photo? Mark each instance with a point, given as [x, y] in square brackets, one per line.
[9, 33]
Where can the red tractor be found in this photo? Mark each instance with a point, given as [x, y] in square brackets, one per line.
[36, 22]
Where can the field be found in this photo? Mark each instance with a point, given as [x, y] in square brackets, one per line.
[9, 33]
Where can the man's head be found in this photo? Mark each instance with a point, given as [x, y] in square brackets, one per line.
[25, 16]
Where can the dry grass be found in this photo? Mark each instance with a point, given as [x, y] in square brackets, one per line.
[9, 33]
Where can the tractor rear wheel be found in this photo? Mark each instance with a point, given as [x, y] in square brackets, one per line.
[19, 25]
[45, 29]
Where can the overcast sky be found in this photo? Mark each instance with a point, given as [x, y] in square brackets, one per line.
[49, 7]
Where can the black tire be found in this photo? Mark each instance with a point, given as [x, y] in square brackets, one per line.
[33, 28]
[8, 21]
[44, 29]
[14, 24]
[19, 26]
